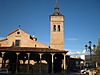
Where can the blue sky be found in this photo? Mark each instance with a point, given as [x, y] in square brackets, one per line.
[82, 20]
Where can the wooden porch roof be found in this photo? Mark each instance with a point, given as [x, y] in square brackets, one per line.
[31, 49]
[76, 59]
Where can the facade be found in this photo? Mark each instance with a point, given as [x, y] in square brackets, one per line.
[22, 39]
[76, 64]
[21, 52]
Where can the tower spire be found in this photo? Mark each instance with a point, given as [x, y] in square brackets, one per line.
[56, 6]
[56, 9]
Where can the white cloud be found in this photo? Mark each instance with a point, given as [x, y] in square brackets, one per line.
[74, 53]
[72, 39]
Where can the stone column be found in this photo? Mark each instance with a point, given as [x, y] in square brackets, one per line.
[2, 59]
[40, 61]
[64, 61]
[52, 61]
[84, 62]
[28, 61]
[96, 64]
[17, 63]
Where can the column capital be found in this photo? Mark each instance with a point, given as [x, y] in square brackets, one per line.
[17, 53]
[64, 53]
[28, 54]
[52, 53]
[40, 53]
[3, 53]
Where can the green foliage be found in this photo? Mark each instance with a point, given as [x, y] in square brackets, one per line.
[97, 53]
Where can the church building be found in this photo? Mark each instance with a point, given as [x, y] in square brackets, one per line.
[23, 53]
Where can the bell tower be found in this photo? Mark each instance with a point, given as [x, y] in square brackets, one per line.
[57, 29]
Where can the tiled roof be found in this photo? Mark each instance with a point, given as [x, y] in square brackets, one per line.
[3, 39]
[31, 49]
[13, 32]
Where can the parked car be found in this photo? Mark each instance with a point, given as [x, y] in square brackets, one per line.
[83, 71]
[4, 71]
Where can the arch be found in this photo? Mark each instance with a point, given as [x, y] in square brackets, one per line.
[9, 61]
[54, 28]
[59, 28]
[58, 62]
[48, 66]
[22, 57]
[35, 57]
[22, 62]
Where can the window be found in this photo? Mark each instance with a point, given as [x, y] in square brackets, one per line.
[59, 28]
[54, 28]
[35, 45]
[17, 43]
[18, 32]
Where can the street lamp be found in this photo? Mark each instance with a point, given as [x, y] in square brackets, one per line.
[90, 48]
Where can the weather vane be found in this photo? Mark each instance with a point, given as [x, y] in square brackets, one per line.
[19, 26]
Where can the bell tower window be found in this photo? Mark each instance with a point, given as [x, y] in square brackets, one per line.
[58, 28]
[54, 28]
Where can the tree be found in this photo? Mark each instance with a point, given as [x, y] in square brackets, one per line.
[97, 53]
